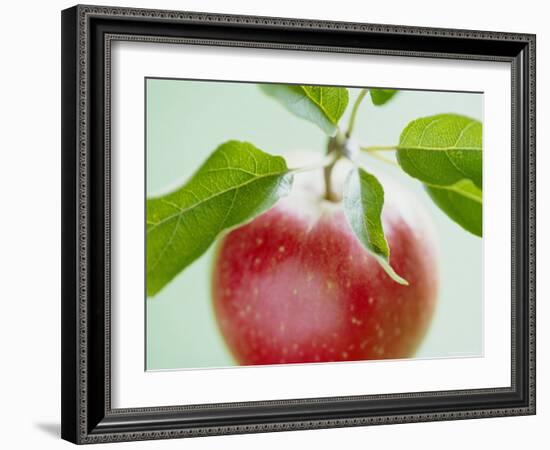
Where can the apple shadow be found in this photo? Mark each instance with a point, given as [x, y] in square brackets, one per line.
[52, 429]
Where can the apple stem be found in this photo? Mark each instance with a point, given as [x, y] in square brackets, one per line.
[329, 193]
[335, 147]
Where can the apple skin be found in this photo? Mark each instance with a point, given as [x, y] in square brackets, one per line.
[295, 285]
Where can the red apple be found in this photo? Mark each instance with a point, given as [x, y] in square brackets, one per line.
[295, 285]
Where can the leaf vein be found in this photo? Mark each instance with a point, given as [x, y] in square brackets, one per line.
[463, 131]
[429, 125]
[190, 207]
[319, 105]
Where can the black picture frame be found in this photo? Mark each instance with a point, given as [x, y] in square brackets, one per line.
[87, 32]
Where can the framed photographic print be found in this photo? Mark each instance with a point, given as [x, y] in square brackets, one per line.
[281, 224]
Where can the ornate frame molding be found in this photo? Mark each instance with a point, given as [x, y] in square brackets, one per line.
[86, 421]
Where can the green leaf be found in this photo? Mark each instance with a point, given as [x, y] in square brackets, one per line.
[235, 184]
[363, 203]
[462, 202]
[442, 149]
[324, 106]
[381, 96]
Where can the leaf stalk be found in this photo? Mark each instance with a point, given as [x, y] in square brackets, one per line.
[380, 148]
[330, 159]
[351, 124]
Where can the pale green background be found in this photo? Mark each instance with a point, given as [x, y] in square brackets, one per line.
[187, 120]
